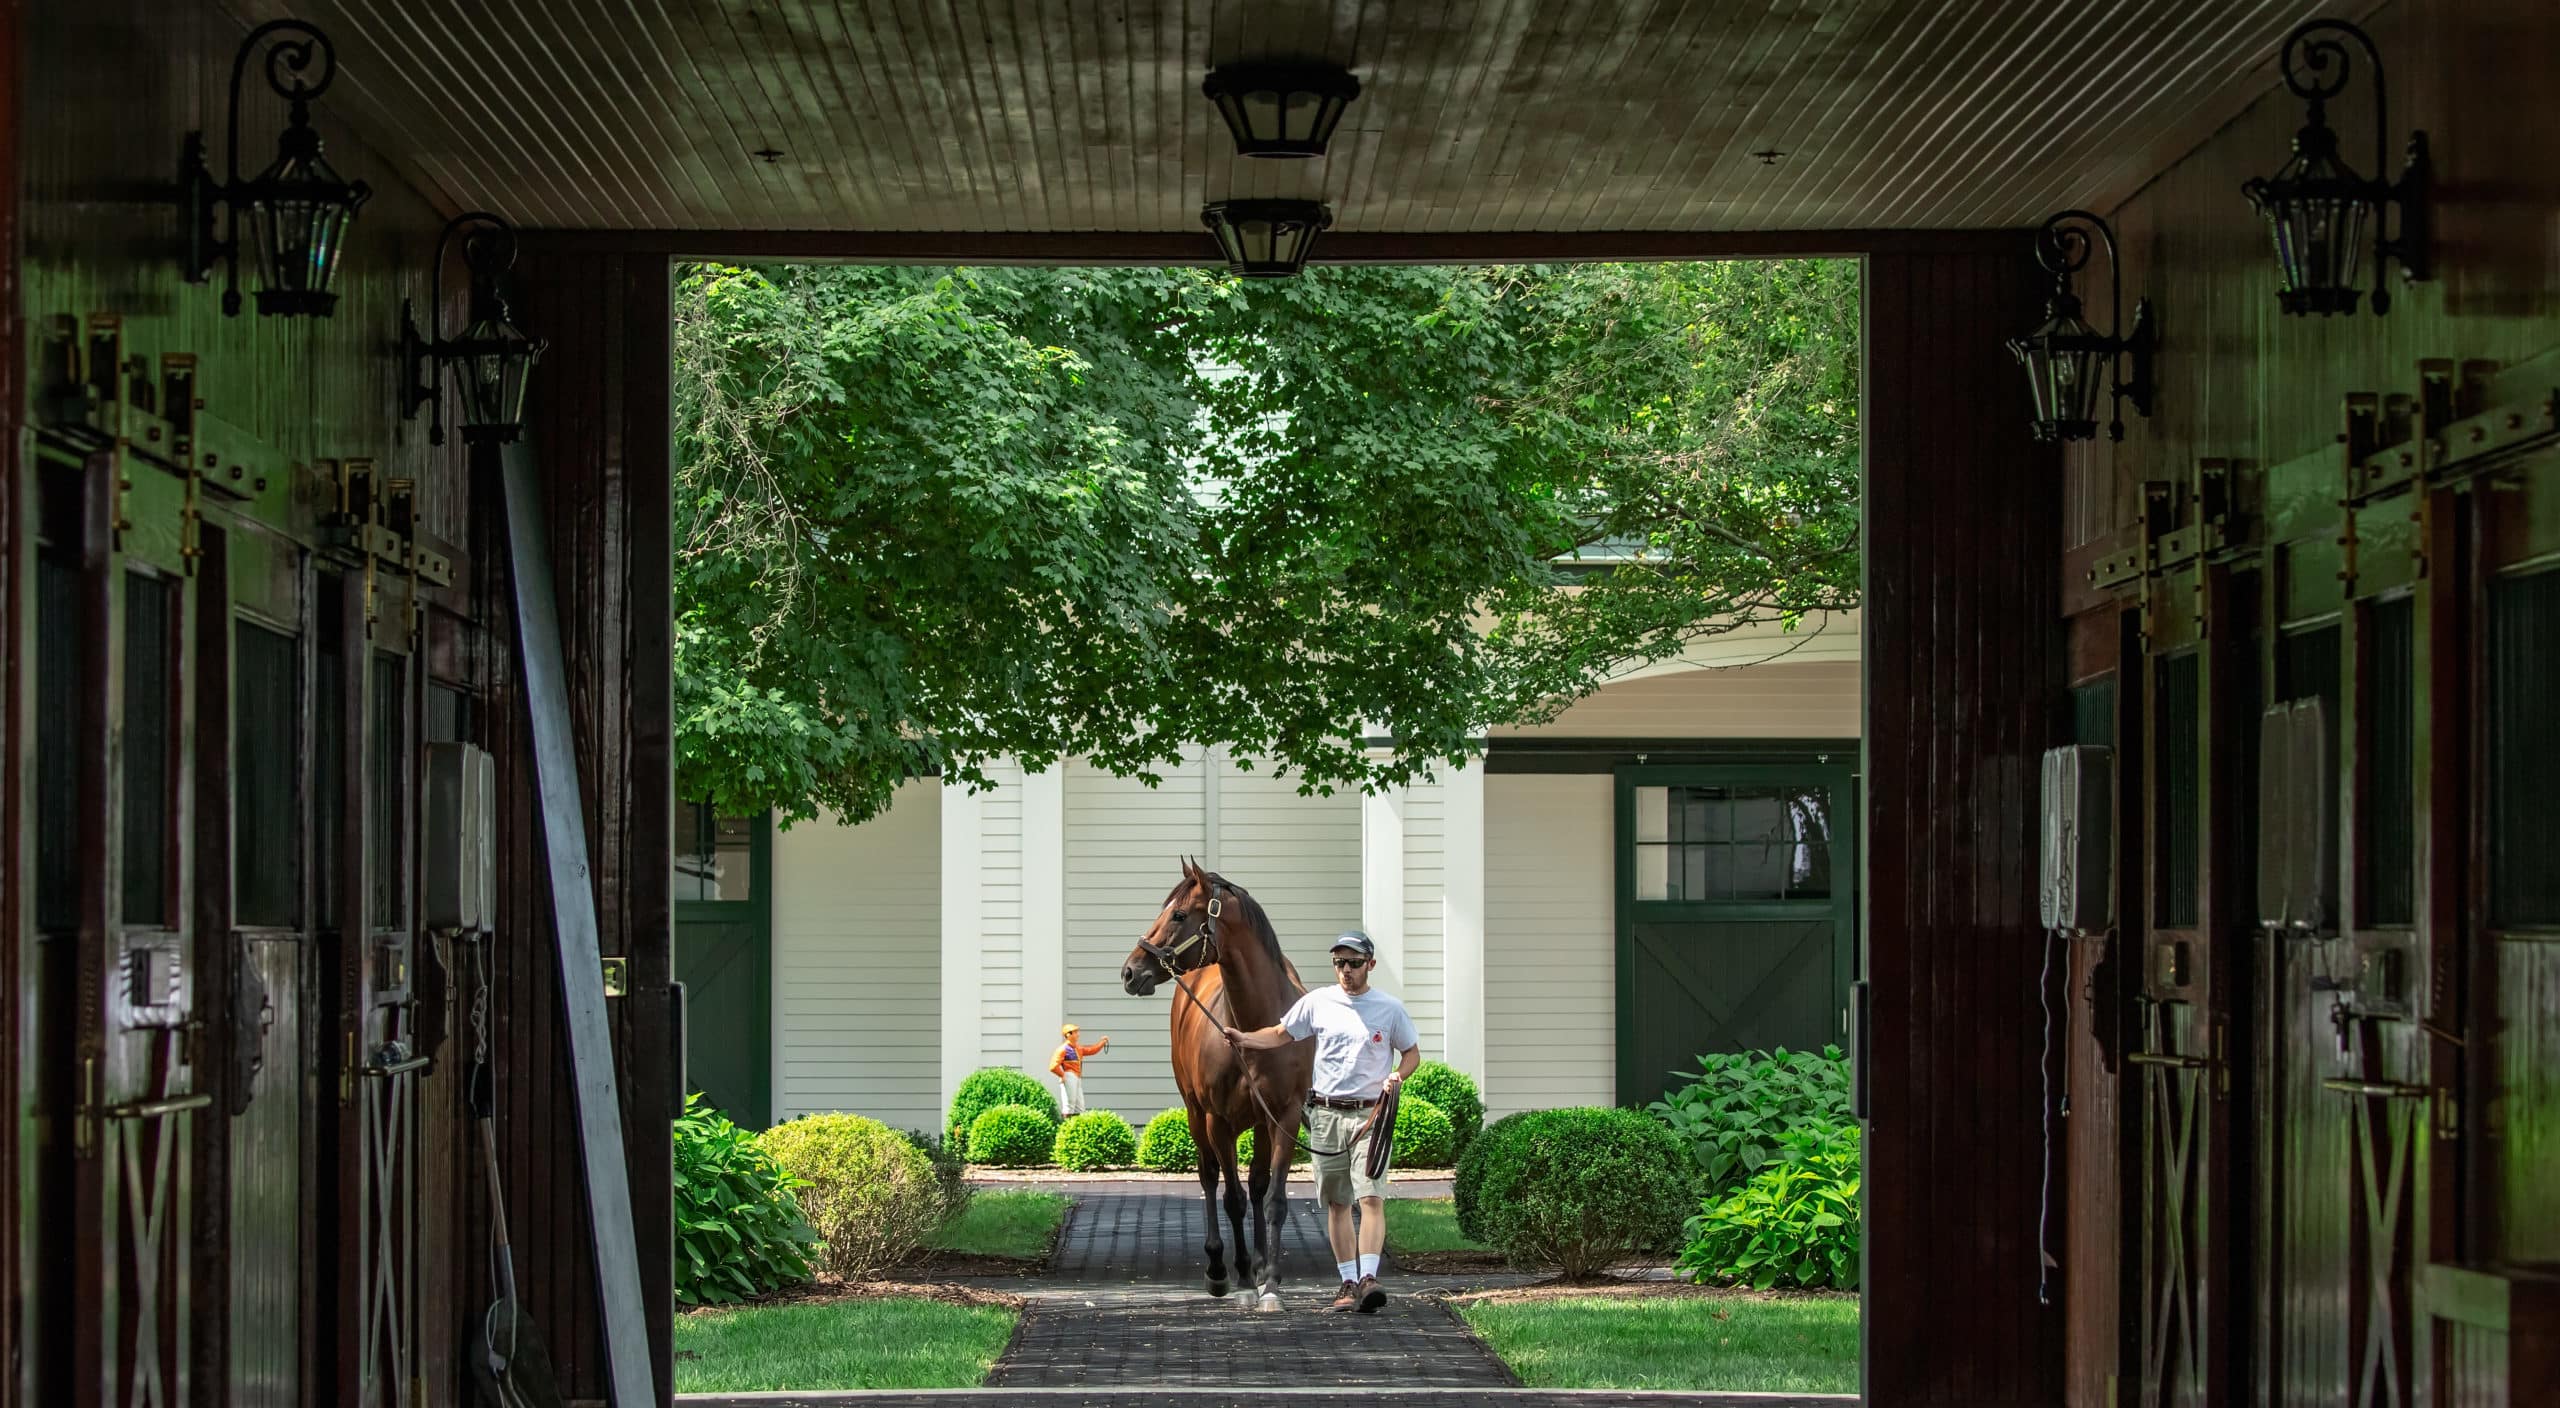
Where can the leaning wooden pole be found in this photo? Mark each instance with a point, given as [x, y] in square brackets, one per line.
[573, 911]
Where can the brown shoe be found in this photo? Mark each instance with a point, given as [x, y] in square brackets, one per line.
[1372, 1295]
[1349, 1298]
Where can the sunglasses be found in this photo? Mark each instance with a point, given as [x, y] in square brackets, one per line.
[1350, 963]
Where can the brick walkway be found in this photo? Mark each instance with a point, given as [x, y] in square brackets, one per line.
[1122, 1320]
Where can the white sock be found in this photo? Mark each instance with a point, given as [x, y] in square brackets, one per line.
[1350, 1270]
[1368, 1263]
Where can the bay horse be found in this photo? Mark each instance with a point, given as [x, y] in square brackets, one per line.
[1213, 939]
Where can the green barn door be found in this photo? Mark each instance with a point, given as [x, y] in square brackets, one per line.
[724, 958]
[1737, 897]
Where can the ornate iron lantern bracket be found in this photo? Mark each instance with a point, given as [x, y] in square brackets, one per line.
[2062, 357]
[299, 208]
[2320, 211]
[496, 357]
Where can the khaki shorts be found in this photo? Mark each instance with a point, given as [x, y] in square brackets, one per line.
[1343, 1178]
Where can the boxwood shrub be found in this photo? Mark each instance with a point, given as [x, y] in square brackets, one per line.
[1301, 1154]
[871, 1194]
[739, 1230]
[1795, 1223]
[983, 1090]
[1012, 1136]
[1455, 1093]
[1425, 1136]
[1578, 1189]
[1094, 1139]
[1166, 1146]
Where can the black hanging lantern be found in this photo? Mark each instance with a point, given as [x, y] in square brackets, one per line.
[2319, 210]
[494, 359]
[2069, 362]
[1266, 239]
[1281, 109]
[299, 208]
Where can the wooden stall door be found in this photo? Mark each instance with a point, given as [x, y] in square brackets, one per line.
[118, 665]
[2199, 677]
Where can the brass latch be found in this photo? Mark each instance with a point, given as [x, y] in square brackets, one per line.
[617, 977]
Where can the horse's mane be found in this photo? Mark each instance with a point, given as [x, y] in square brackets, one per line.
[1260, 921]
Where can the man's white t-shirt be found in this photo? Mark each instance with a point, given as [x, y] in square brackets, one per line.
[1357, 1038]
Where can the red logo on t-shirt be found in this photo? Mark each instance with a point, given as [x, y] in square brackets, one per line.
[1377, 1036]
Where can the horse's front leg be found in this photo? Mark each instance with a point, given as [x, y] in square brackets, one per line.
[1236, 1207]
[1202, 1140]
[1270, 1205]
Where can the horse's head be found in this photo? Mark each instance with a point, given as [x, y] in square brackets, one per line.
[1184, 936]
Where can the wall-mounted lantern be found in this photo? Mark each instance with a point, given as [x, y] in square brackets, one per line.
[298, 209]
[494, 358]
[2319, 212]
[1280, 109]
[1266, 239]
[2066, 359]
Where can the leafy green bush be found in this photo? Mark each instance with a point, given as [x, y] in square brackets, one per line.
[1012, 1136]
[1579, 1189]
[871, 1194]
[1739, 1105]
[1300, 1154]
[984, 1089]
[1795, 1223]
[1094, 1139]
[739, 1231]
[1454, 1091]
[1165, 1145]
[950, 1167]
[1425, 1136]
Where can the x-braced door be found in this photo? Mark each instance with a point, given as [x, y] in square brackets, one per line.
[119, 604]
[2196, 668]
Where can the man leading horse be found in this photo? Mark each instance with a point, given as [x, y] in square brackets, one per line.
[1355, 1028]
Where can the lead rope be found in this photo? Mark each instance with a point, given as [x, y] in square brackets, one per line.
[1385, 1102]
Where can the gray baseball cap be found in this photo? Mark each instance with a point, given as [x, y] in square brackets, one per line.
[1357, 942]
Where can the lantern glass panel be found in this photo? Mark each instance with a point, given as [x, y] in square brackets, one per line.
[298, 220]
[495, 369]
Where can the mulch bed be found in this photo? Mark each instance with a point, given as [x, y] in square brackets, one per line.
[1559, 1288]
[1451, 1263]
[827, 1291]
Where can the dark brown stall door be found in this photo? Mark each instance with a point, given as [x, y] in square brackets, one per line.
[122, 1058]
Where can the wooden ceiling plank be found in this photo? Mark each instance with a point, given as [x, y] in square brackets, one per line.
[963, 48]
[809, 175]
[1807, 117]
[557, 81]
[1202, 141]
[1875, 134]
[397, 134]
[1054, 24]
[1778, 45]
[1042, 140]
[635, 83]
[2058, 60]
[1749, 34]
[1386, 72]
[849, 167]
[752, 192]
[899, 133]
[1667, 36]
[487, 53]
[436, 78]
[959, 199]
[1539, 156]
[1420, 197]
[1497, 172]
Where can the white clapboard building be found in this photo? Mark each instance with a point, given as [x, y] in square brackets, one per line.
[1579, 912]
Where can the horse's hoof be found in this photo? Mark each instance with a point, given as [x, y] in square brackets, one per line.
[1269, 1302]
[1217, 1287]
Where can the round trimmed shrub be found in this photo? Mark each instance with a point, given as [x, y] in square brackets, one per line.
[1094, 1139]
[1578, 1189]
[1455, 1093]
[983, 1090]
[870, 1193]
[1425, 1136]
[1166, 1146]
[1012, 1136]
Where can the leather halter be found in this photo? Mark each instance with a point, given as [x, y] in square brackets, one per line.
[1168, 956]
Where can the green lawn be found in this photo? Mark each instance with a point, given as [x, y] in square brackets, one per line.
[903, 1343]
[1003, 1224]
[1427, 1225]
[1690, 1343]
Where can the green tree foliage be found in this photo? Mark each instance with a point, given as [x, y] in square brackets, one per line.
[926, 518]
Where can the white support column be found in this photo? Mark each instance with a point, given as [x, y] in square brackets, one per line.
[1211, 764]
[1462, 919]
[1044, 914]
[1382, 881]
[962, 838]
